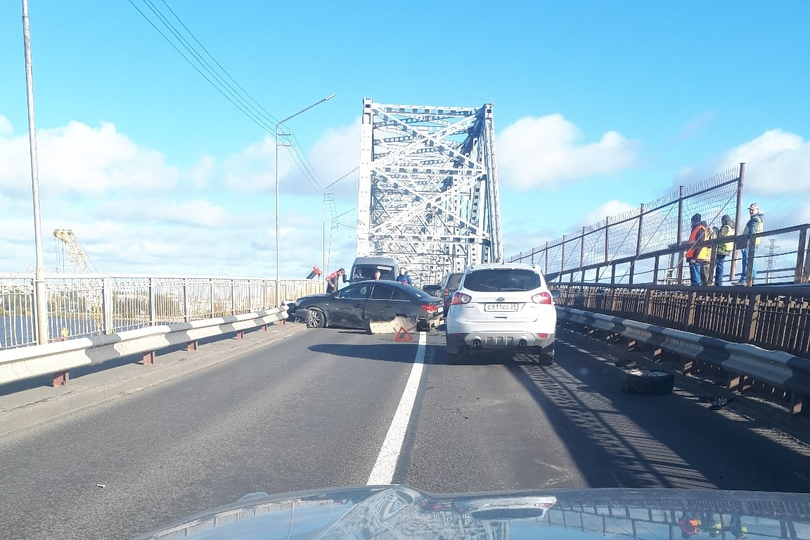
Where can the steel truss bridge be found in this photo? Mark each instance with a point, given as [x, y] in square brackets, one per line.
[428, 188]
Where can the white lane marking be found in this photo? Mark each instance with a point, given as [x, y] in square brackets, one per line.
[383, 471]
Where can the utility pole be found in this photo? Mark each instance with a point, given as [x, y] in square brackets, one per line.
[39, 276]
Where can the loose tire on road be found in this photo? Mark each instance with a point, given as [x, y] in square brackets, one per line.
[546, 356]
[647, 381]
[317, 318]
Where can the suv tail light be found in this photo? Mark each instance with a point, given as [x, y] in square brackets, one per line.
[542, 298]
[461, 298]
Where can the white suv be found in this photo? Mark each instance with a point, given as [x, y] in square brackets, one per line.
[502, 307]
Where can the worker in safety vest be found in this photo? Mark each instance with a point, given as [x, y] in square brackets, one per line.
[697, 256]
[689, 525]
[727, 229]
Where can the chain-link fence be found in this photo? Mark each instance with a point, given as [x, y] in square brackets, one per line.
[660, 225]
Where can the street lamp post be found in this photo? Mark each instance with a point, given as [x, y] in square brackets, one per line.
[39, 276]
[278, 258]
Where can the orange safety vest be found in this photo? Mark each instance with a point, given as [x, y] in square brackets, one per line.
[703, 254]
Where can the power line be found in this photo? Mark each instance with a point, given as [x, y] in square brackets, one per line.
[267, 124]
[215, 76]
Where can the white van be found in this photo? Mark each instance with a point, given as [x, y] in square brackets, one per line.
[364, 268]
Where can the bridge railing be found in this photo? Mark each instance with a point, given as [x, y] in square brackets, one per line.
[770, 317]
[785, 262]
[82, 305]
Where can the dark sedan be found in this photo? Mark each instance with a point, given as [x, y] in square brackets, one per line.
[355, 305]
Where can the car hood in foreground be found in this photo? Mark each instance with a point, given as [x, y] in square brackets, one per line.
[402, 512]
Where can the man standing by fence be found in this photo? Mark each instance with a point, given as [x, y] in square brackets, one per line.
[756, 224]
[727, 229]
[697, 256]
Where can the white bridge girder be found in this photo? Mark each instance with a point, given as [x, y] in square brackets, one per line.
[428, 189]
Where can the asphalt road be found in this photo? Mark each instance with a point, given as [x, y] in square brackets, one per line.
[125, 450]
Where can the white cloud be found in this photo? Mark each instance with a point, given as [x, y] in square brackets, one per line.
[777, 162]
[252, 170]
[80, 159]
[545, 152]
[133, 213]
[334, 154]
[5, 126]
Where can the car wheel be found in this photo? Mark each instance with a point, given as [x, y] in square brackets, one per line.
[317, 319]
[546, 356]
[647, 381]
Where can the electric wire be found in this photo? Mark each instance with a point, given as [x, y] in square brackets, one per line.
[241, 100]
[253, 118]
[245, 92]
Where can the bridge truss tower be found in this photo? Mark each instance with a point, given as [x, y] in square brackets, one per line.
[428, 188]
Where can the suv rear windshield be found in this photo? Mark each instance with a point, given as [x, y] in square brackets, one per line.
[502, 280]
[452, 280]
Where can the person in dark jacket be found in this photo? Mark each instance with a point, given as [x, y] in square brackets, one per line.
[332, 280]
[756, 223]
[403, 277]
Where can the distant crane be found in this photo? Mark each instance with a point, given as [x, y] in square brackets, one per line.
[79, 260]
[83, 300]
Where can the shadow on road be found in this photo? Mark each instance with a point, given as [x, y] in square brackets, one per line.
[645, 441]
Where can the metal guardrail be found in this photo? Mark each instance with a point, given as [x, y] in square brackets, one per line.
[775, 368]
[60, 357]
[83, 305]
[770, 317]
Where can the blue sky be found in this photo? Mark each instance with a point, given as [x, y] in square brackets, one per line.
[599, 106]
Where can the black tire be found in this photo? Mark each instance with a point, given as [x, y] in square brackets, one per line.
[647, 381]
[317, 318]
[546, 356]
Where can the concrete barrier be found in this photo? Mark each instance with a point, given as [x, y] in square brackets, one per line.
[60, 357]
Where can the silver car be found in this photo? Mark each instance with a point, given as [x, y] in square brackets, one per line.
[502, 307]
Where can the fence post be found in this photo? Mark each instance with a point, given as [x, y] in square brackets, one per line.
[107, 305]
[546, 254]
[800, 275]
[151, 307]
[647, 306]
[737, 224]
[690, 311]
[233, 296]
[562, 259]
[638, 242]
[186, 318]
[751, 316]
[211, 303]
[582, 252]
[680, 235]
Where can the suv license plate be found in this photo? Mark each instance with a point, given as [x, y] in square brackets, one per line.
[500, 307]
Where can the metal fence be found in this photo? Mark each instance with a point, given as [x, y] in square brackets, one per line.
[652, 227]
[81, 305]
[669, 266]
[770, 317]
